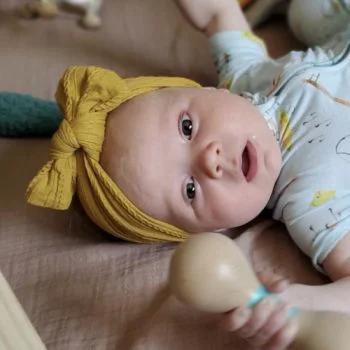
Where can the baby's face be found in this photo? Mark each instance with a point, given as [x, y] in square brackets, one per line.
[200, 159]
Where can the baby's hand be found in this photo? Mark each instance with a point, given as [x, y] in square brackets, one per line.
[267, 325]
[199, 12]
[202, 13]
[273, 282]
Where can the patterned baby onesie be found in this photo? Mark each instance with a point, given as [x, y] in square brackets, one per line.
[305, 99]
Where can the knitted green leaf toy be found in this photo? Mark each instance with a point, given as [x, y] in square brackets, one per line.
[27, 116]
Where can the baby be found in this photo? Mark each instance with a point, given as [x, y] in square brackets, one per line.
[173, 158]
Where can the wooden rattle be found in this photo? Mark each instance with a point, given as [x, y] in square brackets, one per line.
[209, 272]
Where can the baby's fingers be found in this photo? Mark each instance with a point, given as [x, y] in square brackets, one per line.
[236, 319]
[265, 336]
[279, 285]
[260, 315]
[268, 325]
[284, 337]
[246, 322]
[274, 283]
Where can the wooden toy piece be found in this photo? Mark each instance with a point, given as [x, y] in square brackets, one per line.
[50, 8]
[209, 272]
[43, 9]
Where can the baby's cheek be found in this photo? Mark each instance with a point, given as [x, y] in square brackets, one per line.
[237, 206]
[221, 212]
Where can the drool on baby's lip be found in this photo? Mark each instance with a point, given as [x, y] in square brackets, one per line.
[249, 161]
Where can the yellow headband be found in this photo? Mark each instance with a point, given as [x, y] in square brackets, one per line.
[86, 95]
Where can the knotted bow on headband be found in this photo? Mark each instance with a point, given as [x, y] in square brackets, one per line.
[86, 95]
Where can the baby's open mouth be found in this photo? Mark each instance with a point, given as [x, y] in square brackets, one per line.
[245, 161]
[249, 161]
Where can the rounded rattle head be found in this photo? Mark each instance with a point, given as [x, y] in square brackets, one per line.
[209, 272]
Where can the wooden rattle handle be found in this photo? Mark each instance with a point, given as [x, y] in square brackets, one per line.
[210, 273]
[322, 330]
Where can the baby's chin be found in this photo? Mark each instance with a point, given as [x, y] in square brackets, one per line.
[192, 228]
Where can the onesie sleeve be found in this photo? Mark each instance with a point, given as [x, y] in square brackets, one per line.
[242, 62]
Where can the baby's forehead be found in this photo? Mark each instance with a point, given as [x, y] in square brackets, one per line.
[133, 136]
[137, 115]
[136, 163]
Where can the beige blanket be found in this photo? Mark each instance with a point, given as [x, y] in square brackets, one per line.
[81, 288]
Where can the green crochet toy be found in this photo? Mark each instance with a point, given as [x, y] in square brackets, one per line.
[27, 116]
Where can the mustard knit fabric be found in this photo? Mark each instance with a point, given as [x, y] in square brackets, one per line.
[86, 95]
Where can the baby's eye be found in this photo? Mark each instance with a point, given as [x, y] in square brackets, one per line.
[185, 126]
[190, 190]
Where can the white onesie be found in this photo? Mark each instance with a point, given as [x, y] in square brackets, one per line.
[305, 99]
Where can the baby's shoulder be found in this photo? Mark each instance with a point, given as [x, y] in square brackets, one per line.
[319, 59]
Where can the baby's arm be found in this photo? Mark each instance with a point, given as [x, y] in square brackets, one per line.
[333, 296]
[211, 16]
[241, 59]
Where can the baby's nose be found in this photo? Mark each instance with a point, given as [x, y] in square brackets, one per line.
[211, 160]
